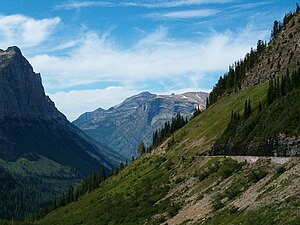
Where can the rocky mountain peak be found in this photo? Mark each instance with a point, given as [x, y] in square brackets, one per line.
[145, 95]
[124, 126]
[31, 124]
[21, 90]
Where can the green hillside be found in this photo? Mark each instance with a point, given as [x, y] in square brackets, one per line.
[156, 187]
[184, 181]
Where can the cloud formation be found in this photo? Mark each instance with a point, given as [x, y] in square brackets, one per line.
[85, 69]
[155, 60]
[143, 4]
[25, 31]
[83, 4]
[155, 57]
[184, 14]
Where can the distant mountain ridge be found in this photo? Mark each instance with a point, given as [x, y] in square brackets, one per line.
[124, 126]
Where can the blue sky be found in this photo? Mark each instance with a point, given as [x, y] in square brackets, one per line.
[96, 53]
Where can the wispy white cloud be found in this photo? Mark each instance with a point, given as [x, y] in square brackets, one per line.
[143, 4]
[89, 59]
[25, 31]
[249, 5]
[172, 4]
[83, 4]
[155, 57]
[184, 14]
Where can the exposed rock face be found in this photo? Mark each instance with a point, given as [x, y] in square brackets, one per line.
[124, 126]
[22, 93]
[31, 125]
[282, 53]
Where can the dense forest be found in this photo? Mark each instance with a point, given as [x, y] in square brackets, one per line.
[22, 196]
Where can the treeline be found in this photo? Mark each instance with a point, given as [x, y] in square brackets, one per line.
[231, 81]
[160, 135]
[278, 25]
[279, 87]
[168, 129]
[86, 186]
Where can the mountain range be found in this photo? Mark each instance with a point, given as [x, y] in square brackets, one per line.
[124, 126]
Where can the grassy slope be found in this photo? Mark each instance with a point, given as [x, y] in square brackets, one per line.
[127, 198]
[156, 187]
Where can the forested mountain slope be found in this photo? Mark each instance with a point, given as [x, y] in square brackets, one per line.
[40, 149]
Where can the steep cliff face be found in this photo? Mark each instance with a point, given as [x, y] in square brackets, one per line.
[22, 93]
[283, 52]
[31, 125]
[124, 126]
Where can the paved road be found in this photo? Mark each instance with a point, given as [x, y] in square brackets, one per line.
[253, 159]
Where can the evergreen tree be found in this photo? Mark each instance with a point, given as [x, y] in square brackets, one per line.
[245, 109]
[132, 158]
[141, 148]
[196, 113]
[260, 108]
[276, 29]
[207, 103]
[249, 109]
[122, 165]
[270, 96]
[102, 174]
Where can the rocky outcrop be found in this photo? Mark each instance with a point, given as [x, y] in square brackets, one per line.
[283, 52]
[124, 126]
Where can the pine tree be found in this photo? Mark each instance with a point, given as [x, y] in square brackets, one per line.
[141, 148]
[246, 109]
[276, 28]
[260, 108]
[249, 109]
[102, 174]
[122, 165]
[270, 96]
[207, 103]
